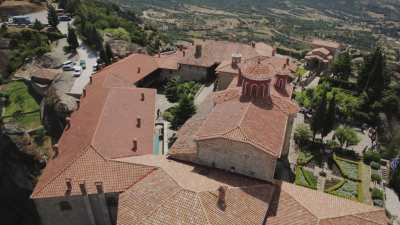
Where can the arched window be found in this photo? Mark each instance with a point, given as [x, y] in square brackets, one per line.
[254, 88]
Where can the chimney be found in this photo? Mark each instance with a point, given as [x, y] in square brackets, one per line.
[134, 145]
[99, 187]
[222, 197]
[142, 97]
[84, 92]
[68, 182]
[55, 150]
[184, 53]
[253, 44]
[138, 122]
[82, 186]
[273, 52]
[138, 70]
[236, 59]
[198, 52]
[67, 123]
[91, 80]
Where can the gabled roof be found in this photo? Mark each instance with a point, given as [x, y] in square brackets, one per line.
[168, 195]
[213, 52]
[88, 168]
[259, 123]
[311, 207]
[160, 199]
[104, 105]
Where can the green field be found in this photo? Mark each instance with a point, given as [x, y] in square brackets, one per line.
[21, 108]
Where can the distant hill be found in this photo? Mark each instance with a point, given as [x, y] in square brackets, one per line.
[361, 23]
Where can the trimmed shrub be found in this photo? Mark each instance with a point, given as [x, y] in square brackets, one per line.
[371, 156]
[376, 178]
[377, 194]
[375, 165]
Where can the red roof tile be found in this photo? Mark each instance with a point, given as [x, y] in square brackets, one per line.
[213, 52]
[260, 123]
[89, 117]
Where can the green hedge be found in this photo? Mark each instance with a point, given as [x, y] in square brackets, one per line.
[336, 186]
[305, 178]
[346, 172]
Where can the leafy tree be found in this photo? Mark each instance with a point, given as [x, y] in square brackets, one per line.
[62, 4]
[184, 111]
[52, 16]
[302, 134]
[171, 89]
[346, 136]
[72, 39]
[342, 66]
[37, 25]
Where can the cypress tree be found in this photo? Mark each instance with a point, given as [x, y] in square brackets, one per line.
[184, 111]
[52, 16]
[317, 118]
[72, 38]
[328, 120]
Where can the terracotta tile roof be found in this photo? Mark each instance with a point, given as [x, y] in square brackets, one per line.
[90, 167]
[88, 119]
[118, 124]
[169, 60]
[159, 199]
[259, 123]
[218, 51]
[128, 70]
[168, 196]
[44, 74]
[193, 177]
[305, 206]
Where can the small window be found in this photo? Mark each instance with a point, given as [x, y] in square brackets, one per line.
[64, 205]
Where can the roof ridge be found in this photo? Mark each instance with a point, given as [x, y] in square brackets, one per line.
[162, 204]
[301, 204]
[363, 218]
[202, 208]
[98, 118]
[68, 165]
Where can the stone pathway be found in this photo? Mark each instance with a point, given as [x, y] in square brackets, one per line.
[392, 205]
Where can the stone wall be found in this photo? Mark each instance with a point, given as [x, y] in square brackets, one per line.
[189, 73]
[94, 209]
[236, 157]
[224, 79]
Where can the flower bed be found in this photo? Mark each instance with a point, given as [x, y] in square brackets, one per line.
[305, 178]
[333, 184]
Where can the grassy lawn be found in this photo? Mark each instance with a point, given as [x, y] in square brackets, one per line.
[349, 169]
[305, 178]
[22, 108]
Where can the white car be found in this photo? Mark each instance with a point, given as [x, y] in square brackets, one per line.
[77, 71]
[68, 67]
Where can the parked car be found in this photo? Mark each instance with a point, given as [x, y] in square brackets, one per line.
[68, 67]
[64, 18]
[95, 67]
[83, 63]
[77, 71]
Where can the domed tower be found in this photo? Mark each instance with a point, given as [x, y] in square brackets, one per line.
[255, 78]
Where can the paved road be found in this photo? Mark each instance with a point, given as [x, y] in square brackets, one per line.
[84, 53]
[392, 204]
